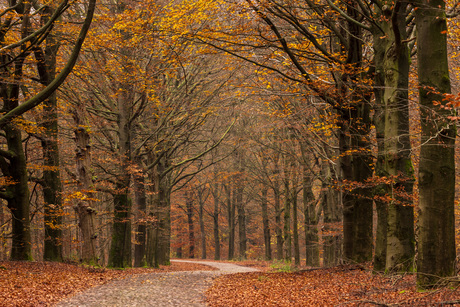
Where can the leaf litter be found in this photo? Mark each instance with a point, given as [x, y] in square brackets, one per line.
[46, 283]
[336, 286]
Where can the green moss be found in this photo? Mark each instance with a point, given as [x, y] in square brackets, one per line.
[409, 168]
[283, 266]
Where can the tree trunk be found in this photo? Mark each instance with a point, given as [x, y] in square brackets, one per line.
[287, 229]
[19, 202]
[120, 250]
[151, 241]
[356, 160]
[15, 169]
[163, 216]
[231, 222]
[52, 189]
[86, 214]
[295, 226]
[311, 221]
[151, 218]
[332, 243]
[215, 218]
[2, 234]
[397, 162]
[266, 224]
[191, 227]
[202, 230]
[381, 189]
[241, 221]
[277, 206]
[141, 232]
[287, 212]
[436, 247]
[278, 224]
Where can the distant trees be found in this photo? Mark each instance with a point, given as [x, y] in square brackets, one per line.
[325, 47]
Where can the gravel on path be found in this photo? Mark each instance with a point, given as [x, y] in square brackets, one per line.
[155, 289]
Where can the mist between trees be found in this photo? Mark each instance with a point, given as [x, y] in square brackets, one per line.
[319, 132]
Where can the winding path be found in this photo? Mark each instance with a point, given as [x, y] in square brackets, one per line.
[156, 289]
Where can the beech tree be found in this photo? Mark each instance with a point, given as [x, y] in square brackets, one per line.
[17, 18]
[395, 248]
[436, 246]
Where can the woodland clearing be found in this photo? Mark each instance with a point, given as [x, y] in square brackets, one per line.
[277, 284]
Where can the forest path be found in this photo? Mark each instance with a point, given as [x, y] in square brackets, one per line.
[155, 289]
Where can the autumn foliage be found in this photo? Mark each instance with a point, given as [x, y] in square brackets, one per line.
[338, 286]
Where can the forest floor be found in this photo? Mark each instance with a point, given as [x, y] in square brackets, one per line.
[47, 283]
[275, 284]
[281, 284]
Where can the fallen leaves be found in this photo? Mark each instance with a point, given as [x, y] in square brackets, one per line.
[339, 286]
[46, 283]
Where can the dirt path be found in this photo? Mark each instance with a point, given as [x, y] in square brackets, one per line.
[157, 289]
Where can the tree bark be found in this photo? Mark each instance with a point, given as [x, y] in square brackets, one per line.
[287, 238]
[266, 223]
[278, 211]
[356, 159]
[394, 165]
[19, 202]
[241, 221]
[202, 229]
[14, 164]
[141, 231]
[52, 189]
[295, 226]
[120, 250]
[163, 215]
[381, 189]
[436, 227]
[215, 218]
[86, 213]
[331, 205]
[231, 221]
[311, 221]
[191, 227]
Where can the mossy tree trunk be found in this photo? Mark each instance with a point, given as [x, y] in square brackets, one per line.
[397, 148]
[381, 189]
[395, 247]
[436, 227]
